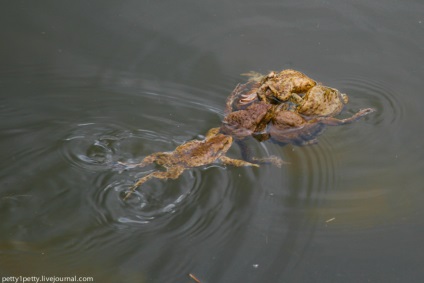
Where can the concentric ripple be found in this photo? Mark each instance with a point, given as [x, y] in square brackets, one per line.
[155, 199]
[365, 93]
[93, 146]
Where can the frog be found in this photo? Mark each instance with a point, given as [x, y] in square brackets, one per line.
[276, 87]
[244, 122]
[320, 101]
[289, 127]
[193, 153]
[298, 121]
[310, 97]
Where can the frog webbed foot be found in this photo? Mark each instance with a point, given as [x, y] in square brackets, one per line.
[274, 160]
[236, 162]
[247, 98]
[364, 112]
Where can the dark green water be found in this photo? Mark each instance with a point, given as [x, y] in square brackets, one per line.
[86, 83]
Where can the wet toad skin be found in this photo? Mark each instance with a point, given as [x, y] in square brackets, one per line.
[310, 98]
[287, 107]
[320, 101]
[191, 154]
[245, 122]
[277, 87]
[299, 120]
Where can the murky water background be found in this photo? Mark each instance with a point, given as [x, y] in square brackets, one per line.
[85, 84]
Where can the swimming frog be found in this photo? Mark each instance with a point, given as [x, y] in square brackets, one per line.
[277, 87]
[320, 101]
[298, 123]
[245, 122]
[191, 154]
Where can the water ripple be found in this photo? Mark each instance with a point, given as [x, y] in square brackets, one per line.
[93, 146]
[154, 200]
[371, 93]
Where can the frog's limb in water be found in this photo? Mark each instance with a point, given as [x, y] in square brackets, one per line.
[331, 121]
[236, 162]
[191, 154]
[272, 159]
[291, 127]
[232, 102]
[246, 154]
[172, 173]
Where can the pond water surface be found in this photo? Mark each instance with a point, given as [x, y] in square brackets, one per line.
[84, 84]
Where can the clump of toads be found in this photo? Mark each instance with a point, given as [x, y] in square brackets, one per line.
[287, 107]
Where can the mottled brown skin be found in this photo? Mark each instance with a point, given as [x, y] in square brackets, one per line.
[191, 154]
[277, 87]
[320, 101]
[290, 127]
[293, 117]
[243, 123]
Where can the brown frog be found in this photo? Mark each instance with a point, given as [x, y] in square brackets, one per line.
[299, 121]
[277, 87]
[290, 127]
[191, 154]
[320, 101]
[289, 85]
[245, 122]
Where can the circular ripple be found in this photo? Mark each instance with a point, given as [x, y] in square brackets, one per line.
[364, 93]
[93, 146]
[153, 200]
[311, 173]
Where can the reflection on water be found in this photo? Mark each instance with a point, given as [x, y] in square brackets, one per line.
[85, 88]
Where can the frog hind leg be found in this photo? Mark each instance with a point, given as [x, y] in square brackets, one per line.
[236, 162]
[171, 173]
[330, 121]
[146, 161]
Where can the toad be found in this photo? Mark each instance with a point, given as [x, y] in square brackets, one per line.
[298, 122]
[320, 101]
[277, 87]
[289, 86]
[245, 122]
[191, 154]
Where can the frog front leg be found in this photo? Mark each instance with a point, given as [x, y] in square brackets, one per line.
[231, 98]
[171, 173]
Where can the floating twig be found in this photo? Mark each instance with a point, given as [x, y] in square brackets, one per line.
[194, 278]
